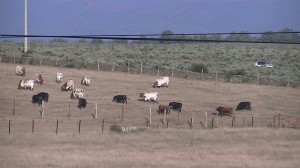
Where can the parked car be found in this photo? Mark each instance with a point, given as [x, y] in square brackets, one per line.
[267, 64]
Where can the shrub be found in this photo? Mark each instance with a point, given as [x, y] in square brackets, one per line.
[116, 128]
[198, 68]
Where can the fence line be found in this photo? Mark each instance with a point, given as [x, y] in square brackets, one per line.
[265, 79]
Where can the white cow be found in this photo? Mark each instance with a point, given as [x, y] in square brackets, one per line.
[26, 83]
[86, 80]
[20, 70]
[162, 82]
[77, 93]
[149, 96]
[68, 85]
[59, 77]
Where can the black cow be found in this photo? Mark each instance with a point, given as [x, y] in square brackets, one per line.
[175, 106]
[224, 111]
[81, 103]
[44, 95]
[120, 99]
[37, 99]
[243, 105]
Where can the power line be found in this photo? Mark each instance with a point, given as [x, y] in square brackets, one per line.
[148, 39]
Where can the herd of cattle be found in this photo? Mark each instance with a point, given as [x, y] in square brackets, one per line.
[77, 93]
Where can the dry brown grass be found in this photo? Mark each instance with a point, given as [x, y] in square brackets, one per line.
[173, 147]
[242, 147]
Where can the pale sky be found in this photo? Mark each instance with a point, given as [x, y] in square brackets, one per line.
[84, 17]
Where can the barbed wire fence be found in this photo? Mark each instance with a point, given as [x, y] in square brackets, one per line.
[136, 67]
[100, 117]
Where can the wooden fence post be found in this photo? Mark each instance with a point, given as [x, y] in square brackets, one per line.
[96, 110]
[113, 68]
[202, 74]
[205, 125]
[56, 126]
[274, 118]
[252, 121]
[127, 66]
[150, 117]
[14, 109]
[43, 108]
[288, 84]
[257, 78]
[157, 71]
[173, 70]
[178, 117]
[32, 126]
[167, 123]
[122, 112]
[8, 126]
[69, 110]
[102, 125]
[56, 61]
[278, 120]
[98, 65]
[1, 57]
[212, 123]
[79, 126]
[141, 67]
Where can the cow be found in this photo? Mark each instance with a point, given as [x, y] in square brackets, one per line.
[175, 106]
[163, 108]
[243, 105]
[86, 80]
[26, 83]
[77, 93]
[39, 79]
[120, 99]
[224, 111]
[20, 70]
[37, 99]
[149, 96]
[81, 103]
[161, 82]
[44, 95]
[59, 77]
[68, 85]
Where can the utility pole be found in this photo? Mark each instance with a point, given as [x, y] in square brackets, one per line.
[25, 28]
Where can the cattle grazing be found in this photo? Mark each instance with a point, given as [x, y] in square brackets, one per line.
[243, 105]
[175, 106]
[44, 95]
[39, 79]
[163, 108]
[77, 93]
[149, 96]
[59, 77]
[68, 85]
[37, 99]
[161, 82]
[86, 80]
[224, 111]
[120, 99]
[81, 103]
[26, 83]
[20, 70]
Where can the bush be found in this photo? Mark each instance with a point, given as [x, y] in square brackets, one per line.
[116, 128]
[198, 68]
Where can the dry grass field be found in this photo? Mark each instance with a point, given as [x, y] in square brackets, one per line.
[174, 147]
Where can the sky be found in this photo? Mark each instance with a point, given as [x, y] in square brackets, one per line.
[103, 17]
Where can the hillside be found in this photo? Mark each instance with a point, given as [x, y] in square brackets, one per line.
[217, 58]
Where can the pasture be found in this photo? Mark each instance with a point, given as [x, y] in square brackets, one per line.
[176, 146]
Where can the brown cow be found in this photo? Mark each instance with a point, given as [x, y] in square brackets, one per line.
[163, 108]
[39, 79]
[224, 111]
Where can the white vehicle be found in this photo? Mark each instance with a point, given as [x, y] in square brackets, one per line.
[267, 64]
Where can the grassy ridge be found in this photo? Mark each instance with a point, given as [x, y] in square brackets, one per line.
[225, 59]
